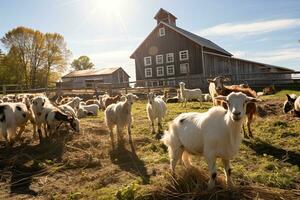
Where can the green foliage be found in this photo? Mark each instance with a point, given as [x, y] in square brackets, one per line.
[127, 193]
[83, 62]
[32, 57]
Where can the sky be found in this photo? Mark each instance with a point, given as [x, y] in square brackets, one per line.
[109, 31]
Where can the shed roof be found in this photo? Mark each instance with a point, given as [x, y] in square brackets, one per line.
[93, 72]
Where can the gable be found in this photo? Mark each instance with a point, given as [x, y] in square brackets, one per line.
[190, 36]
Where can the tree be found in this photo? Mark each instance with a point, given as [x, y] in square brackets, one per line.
[83, 62]
[35, 54]
[56, 54]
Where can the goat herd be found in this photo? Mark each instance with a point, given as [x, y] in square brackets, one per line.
[212, 134]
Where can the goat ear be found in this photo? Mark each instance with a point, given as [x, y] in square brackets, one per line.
[210, 81]
[289, 97]
[226, 79]
[222, 98]
[253, 100]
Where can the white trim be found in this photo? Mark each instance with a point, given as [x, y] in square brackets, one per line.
[184, 52]
[169, 66]
[148, 70]
[186, 65]
[161, 31]
[145, 61]
[170, 55]
[171, 82]
[162, 59]
[158, 68]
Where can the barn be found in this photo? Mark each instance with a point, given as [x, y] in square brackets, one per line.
[90, 78]
[170, 54]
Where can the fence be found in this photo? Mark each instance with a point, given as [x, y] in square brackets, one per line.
[255, 80]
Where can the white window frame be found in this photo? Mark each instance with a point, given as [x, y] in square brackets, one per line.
[146, 70]
[170, 55]
[161, 31]
[159, 62]
[171, 82]
[162, 74]
[147, 63]
[187, 68]
[170, 66]
[181, 53]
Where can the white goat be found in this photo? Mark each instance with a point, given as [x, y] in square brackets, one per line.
[13, 116]
[119, 115]
[156, 109]
[215, 133]
[91, 109]
[67, 109]
[216, 87]
[54, 118]
[189, 94]
[74, 103]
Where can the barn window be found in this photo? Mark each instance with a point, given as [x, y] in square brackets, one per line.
[171, 83]
[170, 57]
[161, 83]
[183, 55]
[160, 71]
[170, 70]
[159, 59]
[147, 61]
[162, 32]
[148, 84]
[184, 68]
[148, 72]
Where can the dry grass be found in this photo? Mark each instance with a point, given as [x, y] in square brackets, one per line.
[83, 166]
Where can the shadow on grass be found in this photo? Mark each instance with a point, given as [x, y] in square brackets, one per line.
[129, 161]
[262, 147]
[20, 164]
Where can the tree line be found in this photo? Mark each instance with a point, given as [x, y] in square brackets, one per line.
[35, 59]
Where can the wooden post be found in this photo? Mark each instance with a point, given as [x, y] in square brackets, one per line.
[4, 89]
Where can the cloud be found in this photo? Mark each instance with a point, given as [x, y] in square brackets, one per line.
[254, 28]
[273, 56]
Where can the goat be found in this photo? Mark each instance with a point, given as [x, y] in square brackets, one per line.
[213, 134]
[292, 104]
[93, 101]
[91, 109]
[165, 96]
[110, 100]
[156, 109]
[53, 119]
[189, 94]
[175, 99]
[217, 87]
[119, 115]
[12, 116]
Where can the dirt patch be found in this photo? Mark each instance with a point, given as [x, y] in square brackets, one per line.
[269, 107]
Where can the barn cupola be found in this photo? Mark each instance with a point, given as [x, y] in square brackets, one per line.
[165, 16]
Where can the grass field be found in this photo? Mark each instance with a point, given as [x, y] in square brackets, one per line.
[83, 166]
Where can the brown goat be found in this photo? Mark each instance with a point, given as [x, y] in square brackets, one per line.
[251, 107]
[111, 100]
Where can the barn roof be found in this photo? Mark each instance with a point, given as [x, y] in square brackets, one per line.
[93, 72]
[193, 37]
[197, 39]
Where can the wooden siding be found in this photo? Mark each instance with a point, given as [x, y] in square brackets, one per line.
[172, 42]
